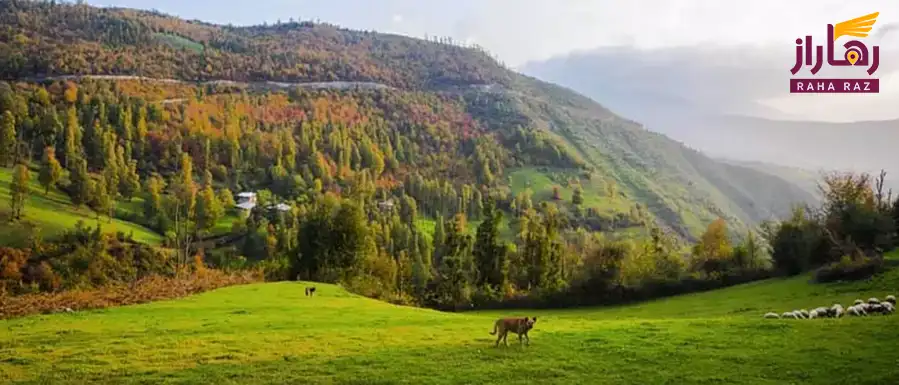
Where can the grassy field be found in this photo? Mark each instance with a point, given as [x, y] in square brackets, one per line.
[178, 41]
[272, 333]
[541, 184]
[53, 213]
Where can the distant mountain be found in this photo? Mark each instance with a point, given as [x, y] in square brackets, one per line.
[805, 179]
[662, 97]
[451, 117]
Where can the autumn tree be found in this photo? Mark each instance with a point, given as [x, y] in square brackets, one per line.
[182, 208]
[154, 206]
[713, 252]
[226, 198]
[854, 214]
[209, 208]
[18, 190]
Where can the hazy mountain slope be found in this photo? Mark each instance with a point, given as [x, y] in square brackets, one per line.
[537, 123]
[805, 179]
[719, 128]
[684, 187]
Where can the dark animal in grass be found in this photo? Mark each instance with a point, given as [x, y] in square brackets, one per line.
[519, 326]
[310, 291]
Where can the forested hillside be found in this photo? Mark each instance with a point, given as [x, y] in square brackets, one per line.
[380, 186]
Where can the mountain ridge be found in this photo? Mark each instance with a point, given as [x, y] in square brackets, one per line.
[538, 123]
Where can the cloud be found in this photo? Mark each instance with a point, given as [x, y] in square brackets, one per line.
[397, 18]
[715, 78]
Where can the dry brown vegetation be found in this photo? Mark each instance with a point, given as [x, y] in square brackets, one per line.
[148, 289]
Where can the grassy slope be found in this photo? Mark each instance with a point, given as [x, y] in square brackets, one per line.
[541, 185]
[54, 214]
[335, 337]
[683, 188]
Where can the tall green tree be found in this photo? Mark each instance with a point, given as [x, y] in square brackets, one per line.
[439, 239]
[101, 201]
[72, 137]
[489, 251]
[154, 205]
[51, 170]
[7, 138]
[543, 252]
[129, 183]
[80, 187]
[49, 128]
[19, 190]
[333, 240]
[577, 198]
[457, 266]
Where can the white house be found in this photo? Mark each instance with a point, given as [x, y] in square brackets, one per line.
[283, 207]
[246, 201]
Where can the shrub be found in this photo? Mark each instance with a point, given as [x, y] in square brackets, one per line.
[151, 288]
[850, 269]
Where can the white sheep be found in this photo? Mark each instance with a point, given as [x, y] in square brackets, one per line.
[856, 311]
[772, 316]
[788, 314]
[891, 299]
[873, 301]
[805, 313]
[823, 312]
[813, 314]
[839, 313]
[888, 308]
[876, 308]
[836, 310]
[858, 302]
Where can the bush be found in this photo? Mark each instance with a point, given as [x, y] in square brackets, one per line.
[850, 269]
[147, 289]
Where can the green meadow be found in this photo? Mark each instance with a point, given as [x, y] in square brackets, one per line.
[53, 213]
[273, 333]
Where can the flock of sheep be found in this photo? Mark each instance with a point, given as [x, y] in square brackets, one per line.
[858, 309]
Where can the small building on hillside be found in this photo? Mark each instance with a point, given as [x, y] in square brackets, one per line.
[386, 205]
[283, 207]
[246, 201]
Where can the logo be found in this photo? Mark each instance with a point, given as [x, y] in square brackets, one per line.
[856, 55]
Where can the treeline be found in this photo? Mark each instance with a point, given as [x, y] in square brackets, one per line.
[115, 145]
[82, 257]
[57, 38]
[844, 238]
[363, 176]
[381, 253]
